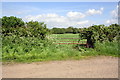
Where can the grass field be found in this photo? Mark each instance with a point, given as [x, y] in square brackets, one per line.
[66, 38]
[65, 35]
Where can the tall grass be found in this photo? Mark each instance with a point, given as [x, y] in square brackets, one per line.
[105, 48]
[50, 52]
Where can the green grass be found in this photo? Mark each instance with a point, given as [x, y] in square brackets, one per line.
[104, 49]
[65, 35]
[51, 52]
[37, 51]
[108, 48]
[57, 38]
[26, 51]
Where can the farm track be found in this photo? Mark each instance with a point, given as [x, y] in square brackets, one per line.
[96, 67]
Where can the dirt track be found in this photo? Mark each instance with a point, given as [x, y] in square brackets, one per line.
[99, 67]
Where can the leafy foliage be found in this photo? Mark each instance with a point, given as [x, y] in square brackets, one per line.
[100, 33]
[58, 30]
[37, 29]
[12, 22]
[19, 38]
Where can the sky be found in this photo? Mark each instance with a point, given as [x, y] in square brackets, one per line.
[64, 14]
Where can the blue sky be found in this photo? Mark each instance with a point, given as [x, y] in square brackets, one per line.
[63, 14]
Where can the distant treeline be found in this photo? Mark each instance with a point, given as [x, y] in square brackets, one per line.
[65, 30]
[112, 29]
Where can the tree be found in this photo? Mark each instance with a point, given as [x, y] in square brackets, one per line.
[58, 30]
[75, 30]
[37, 29]
[100, 33]
[113, 31]
[12, 22]
[87, 34]
[69, 30]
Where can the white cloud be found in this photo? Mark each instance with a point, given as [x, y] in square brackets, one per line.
[71, 18]
[102, 9]
[83, 22]
[55, 20]
[114, 16]
[114, 13]
[46, 18]
[75, 15]
[117, 6]
[111, 21]
[94, 11]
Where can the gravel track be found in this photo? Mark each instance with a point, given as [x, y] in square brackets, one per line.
[95, 67]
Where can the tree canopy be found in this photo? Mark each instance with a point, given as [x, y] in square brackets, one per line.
[12, 22]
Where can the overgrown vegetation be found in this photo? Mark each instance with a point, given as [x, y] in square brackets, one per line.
[21, 39]
[31, 41]
[104, 49]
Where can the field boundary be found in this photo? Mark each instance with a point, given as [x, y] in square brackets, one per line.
[82, 43]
